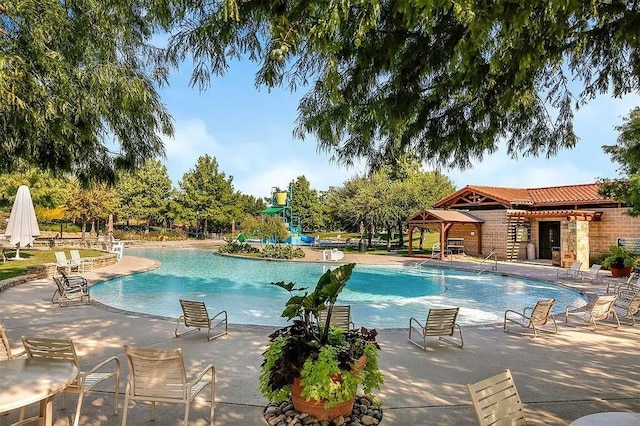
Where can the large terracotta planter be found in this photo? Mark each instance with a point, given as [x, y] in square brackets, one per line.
[316, 408]
[620, 272]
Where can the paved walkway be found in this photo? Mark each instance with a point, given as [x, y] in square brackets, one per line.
[560, 377]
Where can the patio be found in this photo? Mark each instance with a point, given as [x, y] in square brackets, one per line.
[560, 377]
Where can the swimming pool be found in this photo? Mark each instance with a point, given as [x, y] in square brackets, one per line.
[380, 296]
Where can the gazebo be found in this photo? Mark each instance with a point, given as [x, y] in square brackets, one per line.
[443, 220]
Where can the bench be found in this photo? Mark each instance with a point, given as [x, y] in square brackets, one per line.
[455, 245]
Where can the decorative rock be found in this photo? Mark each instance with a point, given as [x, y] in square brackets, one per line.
[273, 421]
[270, 410]
[364, 414]
[368, 420]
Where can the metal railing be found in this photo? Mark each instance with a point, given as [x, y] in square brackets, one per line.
[485, 262]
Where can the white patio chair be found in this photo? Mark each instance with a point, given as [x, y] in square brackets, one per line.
[159, 375]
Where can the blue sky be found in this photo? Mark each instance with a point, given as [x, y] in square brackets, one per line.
[249, 132]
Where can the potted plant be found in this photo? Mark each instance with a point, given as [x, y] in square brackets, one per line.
[620, 261]
[321, 367]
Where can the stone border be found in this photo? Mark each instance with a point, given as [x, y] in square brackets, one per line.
[47, 270]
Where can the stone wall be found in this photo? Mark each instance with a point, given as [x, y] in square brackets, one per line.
[614, 224]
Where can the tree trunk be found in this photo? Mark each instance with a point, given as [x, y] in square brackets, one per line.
[400, 234]
[421, 238]
[389, 236]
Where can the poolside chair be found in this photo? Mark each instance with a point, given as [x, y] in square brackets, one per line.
[435, 251]
[440, 322]
[572, 272]
[5, 348]
[158, 375]
[632, 283]
[66, 294]
[64, 264]
[82, 263]
[5, 355]
[593, 274]
[496, 401]
[627, 304]
[63, 349]
[195, 314]
[532, 318]
[340, 317]
[600, 310]
[73, 280]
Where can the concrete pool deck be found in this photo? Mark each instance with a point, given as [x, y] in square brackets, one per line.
[560, 377]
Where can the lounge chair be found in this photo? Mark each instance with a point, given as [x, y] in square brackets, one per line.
[593, 274]
[340, 317]
[496, 401]
[600, 310]
[82, 263]
[627, 304]
[572, 272]
[440, 322]
[73, 280]
[40, 347]
[158, 375]
[437, 253]
[632, 283]
[68, 294]
[532, 318]
[195, 314]
[64, 264]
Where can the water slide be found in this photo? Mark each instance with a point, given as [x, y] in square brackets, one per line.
[307, 239]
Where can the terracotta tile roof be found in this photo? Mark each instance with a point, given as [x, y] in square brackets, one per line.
[550, 196]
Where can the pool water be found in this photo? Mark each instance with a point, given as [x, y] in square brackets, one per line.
[380, 296]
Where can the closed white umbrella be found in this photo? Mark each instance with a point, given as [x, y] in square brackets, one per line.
[23, 225]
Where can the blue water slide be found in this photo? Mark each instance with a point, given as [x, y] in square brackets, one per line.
[307, 239]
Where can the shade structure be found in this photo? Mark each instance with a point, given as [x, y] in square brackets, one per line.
[23, 225]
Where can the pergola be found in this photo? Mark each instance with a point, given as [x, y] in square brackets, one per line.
[443, 220]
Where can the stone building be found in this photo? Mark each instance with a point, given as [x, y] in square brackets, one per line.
[561, 224]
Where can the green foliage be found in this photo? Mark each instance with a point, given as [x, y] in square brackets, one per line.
[323, 358]
[619, 258]
[89, 204]
[445, 80]
[385, 199]
[77, 86]
[281, 251]
[268, 228]
[235, 246]
[145, 193]
[627, 153]
[47, 191]
[306, 205]
[207, 196]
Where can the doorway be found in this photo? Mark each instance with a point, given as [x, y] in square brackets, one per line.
[548, 238]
